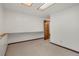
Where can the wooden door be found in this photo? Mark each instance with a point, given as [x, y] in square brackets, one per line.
[46, 30]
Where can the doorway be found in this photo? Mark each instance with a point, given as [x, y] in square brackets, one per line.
[46, 29]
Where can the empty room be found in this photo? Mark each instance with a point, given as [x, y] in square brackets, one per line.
[39, 29]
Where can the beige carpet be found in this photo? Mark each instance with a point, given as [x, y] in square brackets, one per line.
[38, 47]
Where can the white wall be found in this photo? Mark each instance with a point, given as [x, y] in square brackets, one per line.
[16, 37]
[64, 27]
[1, 18]
[22, 27]
[20, 22]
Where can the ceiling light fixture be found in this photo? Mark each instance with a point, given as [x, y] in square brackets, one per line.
[27, 4]
[44, 6]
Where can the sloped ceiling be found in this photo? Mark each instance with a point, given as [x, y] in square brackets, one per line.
[33, 10]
